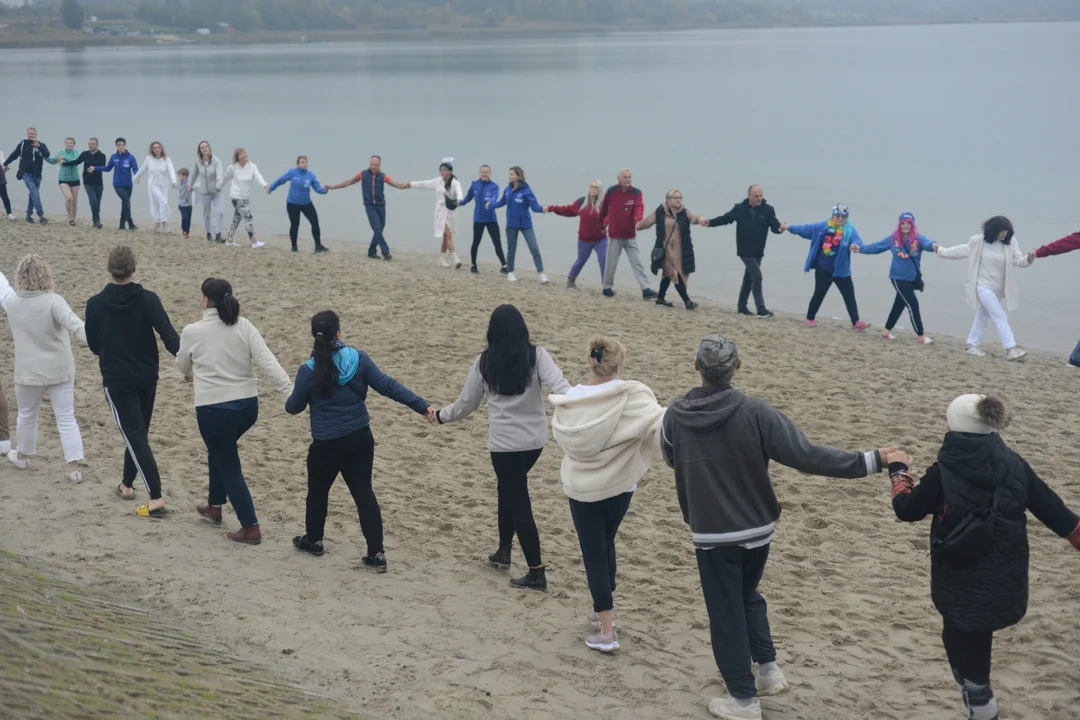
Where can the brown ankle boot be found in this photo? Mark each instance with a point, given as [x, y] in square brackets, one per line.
[250, 535]
[211, 513]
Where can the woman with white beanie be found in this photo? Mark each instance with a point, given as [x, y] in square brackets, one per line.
[448, 195]
[992, 256]
[41, 322]
[609, 430]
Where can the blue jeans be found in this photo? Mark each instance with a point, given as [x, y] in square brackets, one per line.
[33, 185]
[93, 196]
[530, 240]
[1075, 357]
[376, 215]
[221, 427]
[124, 193]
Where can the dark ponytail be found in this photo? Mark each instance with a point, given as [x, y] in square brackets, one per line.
[219, 293]
[324, 328]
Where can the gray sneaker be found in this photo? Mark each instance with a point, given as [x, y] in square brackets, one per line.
[603, 643]
[594, 620]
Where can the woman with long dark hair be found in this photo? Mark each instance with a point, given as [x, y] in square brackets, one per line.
[301, 182]
[992, 256]
[334, 383]
[448, 195]
[217, 354]
[510, 373]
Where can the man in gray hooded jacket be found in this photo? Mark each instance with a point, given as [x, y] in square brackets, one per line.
[719, 442]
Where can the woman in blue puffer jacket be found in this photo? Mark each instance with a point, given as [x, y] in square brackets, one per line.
[830, 259]
[905, 272]
[334, 383]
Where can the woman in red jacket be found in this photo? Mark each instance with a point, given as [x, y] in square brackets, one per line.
[591, 233]
[1060, 247]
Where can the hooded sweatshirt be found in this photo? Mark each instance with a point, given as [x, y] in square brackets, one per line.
[344, 411]
[720, 442]
[610, 437]
[120, 324]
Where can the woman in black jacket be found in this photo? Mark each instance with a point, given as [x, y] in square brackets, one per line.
[673, 251]
[978, 492]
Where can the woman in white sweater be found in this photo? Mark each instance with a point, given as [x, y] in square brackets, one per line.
[993, 257]
[512, 373]
[609, 431]
[217, 354]
[244, 174]
[159, 168]
[448, 196]
[41, 323]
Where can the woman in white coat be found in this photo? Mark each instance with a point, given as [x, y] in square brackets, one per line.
[204, 177]
[159, 169]
[609, 431]
[993, 257]
[244, 174]
[448, 195]
[41, 322]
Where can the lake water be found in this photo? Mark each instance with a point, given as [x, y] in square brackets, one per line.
[954, 123]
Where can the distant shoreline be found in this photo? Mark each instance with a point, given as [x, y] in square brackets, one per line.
[54, 38]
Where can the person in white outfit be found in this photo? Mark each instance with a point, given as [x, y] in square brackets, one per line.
[993, 257]
[448, 195]
[41, 322]
[204, 183]
[159, 168]
[243, 173]
[609, 431]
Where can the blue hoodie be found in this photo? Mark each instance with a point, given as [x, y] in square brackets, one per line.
[125, 166]
[519, 202]
[344, 411]
[815, 233]
[902, 268]
[301, 183]
[484, 192]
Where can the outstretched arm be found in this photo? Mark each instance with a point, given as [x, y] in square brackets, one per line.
[787, 445]
[956, 252]
[432, 184]
[1059, 247]
[1051, 511]
[878, 247]
[344, 183]
[807, 231]
[468, 401]
[912, 502]
[391, 388]
[725, 219]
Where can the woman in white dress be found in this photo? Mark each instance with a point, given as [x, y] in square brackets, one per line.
[159, 168]
[448, 196]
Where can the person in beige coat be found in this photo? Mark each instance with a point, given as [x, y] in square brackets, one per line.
[609, 430]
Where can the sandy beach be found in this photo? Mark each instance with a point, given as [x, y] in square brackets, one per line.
[442, 635]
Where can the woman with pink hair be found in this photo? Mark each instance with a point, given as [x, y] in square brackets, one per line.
[905, 273]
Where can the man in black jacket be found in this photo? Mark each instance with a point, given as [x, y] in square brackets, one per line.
[92, 181]
[31, 155]
[120, 325]
[753, 219]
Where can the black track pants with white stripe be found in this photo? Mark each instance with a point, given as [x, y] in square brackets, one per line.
[132, 408]
[906, 299]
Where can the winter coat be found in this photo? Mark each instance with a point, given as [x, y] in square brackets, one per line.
[972, 250]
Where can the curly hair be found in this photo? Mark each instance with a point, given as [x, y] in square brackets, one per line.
[33, 274]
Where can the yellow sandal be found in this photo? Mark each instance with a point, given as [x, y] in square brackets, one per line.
[146, 512]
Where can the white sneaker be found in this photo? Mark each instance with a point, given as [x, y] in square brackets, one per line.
[889, 336]
[924, 340]
[456, 261]
[20, 462]
[1015, 353]
[771, 682]
[974, 350]
[75, 476]
[10, 216]
[442, 260]
[603, 643]
[728, 708]
[511, 277]
[258, 244]
[544, 279]
[5, 447]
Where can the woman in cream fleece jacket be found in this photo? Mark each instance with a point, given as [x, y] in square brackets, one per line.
[609, 431]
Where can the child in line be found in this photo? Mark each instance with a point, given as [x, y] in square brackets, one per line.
[978, 492]
[183, 192]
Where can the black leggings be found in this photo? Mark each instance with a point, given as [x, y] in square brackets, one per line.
[969, 653]
[496, 240]
[294, 222]
[351, 456]
[823, 280]
[4, 197]
[905, 298]
[515, 508]
[680, 287]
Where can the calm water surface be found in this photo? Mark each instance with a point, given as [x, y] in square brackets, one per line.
[955, 123]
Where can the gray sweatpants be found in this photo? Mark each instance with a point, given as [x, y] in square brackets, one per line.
[212, 202]
[615, 249]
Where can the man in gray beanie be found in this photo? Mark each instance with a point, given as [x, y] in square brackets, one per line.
[720, 442]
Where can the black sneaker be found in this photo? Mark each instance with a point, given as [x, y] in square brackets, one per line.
[474, 270]
[691, 305]
[745, 311]
[98, 226]
[43, 221]
[300, 542]
[376, 562]
[648, 294]
[295, 249]
[503, 270]
[131, 226]
[209, 237]
[321, 249]
[500, 557]
[387, 258]
[373, 257]
[31, 221]
[218, 239]
[664, 303]
[764, 314]
[535, 579]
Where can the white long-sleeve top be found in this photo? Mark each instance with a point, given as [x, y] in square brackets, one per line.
[41, 326]
[242, 177]
[442, 214]
[974, 251]
[160, 171]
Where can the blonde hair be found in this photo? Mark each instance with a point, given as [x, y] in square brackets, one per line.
[595, 205]
[672, 191]
[605, 355]
[33, 274]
